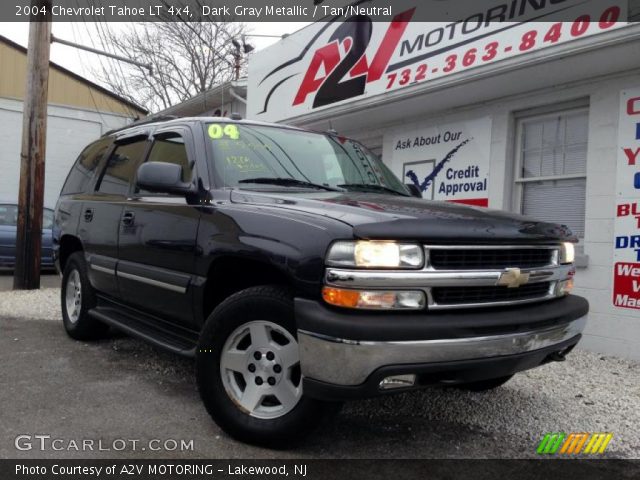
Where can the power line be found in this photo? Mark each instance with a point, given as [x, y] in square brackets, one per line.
[105, 44]
[130, 111]
[133, 114]
[93, 99]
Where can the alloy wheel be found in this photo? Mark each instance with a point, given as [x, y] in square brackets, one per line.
[260, 369]
[73, 296]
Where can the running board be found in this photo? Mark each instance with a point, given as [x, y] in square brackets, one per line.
[176, 340]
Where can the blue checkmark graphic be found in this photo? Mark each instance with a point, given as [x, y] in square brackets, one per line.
[428, 180]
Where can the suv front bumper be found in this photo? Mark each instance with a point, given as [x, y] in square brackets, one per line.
[439, 348]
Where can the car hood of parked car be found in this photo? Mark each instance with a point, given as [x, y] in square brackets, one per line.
[388, 216]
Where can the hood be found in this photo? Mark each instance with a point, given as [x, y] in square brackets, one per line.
[380, 216]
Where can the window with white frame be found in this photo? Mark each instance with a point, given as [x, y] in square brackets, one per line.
[551, 171]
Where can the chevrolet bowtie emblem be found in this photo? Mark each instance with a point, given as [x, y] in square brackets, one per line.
[513, 278]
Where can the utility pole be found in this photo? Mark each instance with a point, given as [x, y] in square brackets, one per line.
[26, 275]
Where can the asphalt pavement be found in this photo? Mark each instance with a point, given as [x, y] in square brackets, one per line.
[120, 389]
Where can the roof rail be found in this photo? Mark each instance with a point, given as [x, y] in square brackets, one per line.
[148, 120]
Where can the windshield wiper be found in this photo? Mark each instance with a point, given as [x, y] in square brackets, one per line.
[289, 182]
[371, 186]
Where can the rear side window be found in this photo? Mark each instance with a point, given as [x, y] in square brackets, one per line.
[121, 168]
[85, 167]
[8, 215]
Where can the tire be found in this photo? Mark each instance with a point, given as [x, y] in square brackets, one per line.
[484, 385]
[77, 298]
[248, 371]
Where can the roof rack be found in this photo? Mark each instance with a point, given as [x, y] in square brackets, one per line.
[146, 121]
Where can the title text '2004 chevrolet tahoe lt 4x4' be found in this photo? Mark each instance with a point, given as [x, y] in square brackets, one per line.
[300, 272]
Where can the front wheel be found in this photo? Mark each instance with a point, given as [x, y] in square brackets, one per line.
[248, 370]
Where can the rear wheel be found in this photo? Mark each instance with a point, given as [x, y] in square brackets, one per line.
[77, 298]
[248, 370]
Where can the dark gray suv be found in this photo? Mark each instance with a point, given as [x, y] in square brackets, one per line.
[300, 272]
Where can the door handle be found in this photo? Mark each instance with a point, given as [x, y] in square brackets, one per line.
[128, 218]
[88, 214]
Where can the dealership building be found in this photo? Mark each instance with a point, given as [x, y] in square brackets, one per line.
[541, 118]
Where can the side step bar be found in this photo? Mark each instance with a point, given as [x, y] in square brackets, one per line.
[176, 340]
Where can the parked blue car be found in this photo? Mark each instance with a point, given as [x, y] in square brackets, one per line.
[8, 234]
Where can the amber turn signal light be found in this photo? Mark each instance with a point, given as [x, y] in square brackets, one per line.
[374, 299]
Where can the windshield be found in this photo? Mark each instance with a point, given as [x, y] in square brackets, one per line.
[243, 153]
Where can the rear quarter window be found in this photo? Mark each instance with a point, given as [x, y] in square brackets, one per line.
[85, 167]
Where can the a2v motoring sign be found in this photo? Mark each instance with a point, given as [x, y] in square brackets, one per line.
[626, 275]
[345, 59]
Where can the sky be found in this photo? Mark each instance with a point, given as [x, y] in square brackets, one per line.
[83, 63]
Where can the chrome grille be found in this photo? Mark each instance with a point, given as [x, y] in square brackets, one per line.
[490, 258]
[469, 276]
[479, 295]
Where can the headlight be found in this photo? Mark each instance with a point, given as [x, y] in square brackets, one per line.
[375, 254]
[567, 253]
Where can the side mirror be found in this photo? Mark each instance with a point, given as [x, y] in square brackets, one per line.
[414, 190]
[162, 177]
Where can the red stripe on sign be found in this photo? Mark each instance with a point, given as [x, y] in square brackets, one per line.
[477, 202]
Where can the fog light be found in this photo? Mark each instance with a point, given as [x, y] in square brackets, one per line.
[564, 287]
[397, 381]
[374, 299]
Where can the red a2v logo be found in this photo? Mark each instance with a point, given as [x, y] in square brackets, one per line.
[328, 71]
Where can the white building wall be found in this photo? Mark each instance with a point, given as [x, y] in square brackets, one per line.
[69, 130]
[610, 330]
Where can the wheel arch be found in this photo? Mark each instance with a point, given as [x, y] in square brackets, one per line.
[69, 244]
[230, 274]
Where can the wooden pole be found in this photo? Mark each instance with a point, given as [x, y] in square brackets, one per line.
[26, 275]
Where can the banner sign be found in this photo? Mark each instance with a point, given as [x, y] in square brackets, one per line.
[339, 61]
[446, 162]
[626, 275]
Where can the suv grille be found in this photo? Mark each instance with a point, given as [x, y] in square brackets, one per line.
[490, 294]
[466, 276]
[489, 259]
